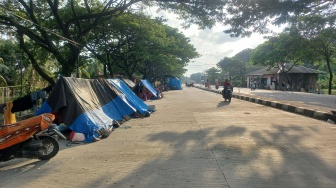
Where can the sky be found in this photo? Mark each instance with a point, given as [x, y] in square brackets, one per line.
[212, 44]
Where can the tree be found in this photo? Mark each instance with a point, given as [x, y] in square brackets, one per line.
[246, 17]
[233, 67]
[140, 45]
[283, 50]
[11, 59]
[3, 68]
[197, 77]
[245, 57]
[321, 34]
[62, 28]
[212, 74]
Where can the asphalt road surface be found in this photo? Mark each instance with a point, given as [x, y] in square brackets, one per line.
[323, 102]
[194, 139]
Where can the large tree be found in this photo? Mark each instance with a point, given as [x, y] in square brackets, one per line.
[137, 45]
[213, 74]
[233, 67]
[285, 49]
[320, 31]
[245, 17]
[62, 28]
[197, 77]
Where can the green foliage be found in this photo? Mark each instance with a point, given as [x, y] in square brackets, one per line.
[58, 31]
[9, 67]
[244, 55]
[232, 66]
[320, 31]
[323, 82]
[134, 44]
[63, 28]
[249, 16]
[213, 74]
[284, 48]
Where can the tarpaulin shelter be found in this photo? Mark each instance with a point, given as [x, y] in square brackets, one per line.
[87, 105]
[129, 83]
[150, 87]
[141, 107]
[174, 83]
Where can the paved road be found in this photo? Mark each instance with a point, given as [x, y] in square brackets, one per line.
[194, 139]
[321, 102]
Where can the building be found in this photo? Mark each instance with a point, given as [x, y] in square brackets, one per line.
[298, 78]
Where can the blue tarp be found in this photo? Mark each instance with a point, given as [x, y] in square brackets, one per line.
[88, 105]
[130, 96]
[150, 87]
[175, 83]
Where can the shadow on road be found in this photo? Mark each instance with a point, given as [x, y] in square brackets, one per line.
[274, 156]
[223, 103]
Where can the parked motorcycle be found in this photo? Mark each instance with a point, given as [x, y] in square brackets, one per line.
[30, 138]
[227, 93]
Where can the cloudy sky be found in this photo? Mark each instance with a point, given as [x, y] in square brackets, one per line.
[213, 44]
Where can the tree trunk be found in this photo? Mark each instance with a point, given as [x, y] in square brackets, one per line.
[67, 68]
[330, 77]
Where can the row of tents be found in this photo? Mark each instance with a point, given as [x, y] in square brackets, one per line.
[89, 105]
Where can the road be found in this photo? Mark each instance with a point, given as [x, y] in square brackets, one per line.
[322, 102]
[194, 139]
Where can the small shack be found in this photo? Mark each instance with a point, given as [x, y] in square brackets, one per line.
[295, 78]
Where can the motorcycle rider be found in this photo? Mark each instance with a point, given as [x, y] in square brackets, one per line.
[226, 85]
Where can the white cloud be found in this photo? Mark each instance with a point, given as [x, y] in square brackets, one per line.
[213, 44]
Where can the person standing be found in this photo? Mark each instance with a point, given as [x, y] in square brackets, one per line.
[283, 86]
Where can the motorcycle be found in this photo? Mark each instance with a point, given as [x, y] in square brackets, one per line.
[227, 93]
[31, 138]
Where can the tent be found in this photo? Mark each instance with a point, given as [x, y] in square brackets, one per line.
[138, 89]
[173, 83]
[129, 83]
[149, 87]
[141, 107]
[87, 105]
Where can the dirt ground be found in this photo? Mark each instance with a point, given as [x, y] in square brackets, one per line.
[194, 139]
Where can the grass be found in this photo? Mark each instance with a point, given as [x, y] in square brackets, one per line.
[325, 91]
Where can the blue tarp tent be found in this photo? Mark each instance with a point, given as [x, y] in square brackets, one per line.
[150, 87]
[130, 96]
[174, 83]
[87, 105]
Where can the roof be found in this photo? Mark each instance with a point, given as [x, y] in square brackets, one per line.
[293, 70]
[263, 71]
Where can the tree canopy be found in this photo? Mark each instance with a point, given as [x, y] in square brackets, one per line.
[61, 30]
[319, 30]
[254, 16]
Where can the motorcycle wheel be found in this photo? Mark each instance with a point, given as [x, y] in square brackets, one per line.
[50, 147]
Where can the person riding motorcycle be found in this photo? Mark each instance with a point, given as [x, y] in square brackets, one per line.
[226, 85]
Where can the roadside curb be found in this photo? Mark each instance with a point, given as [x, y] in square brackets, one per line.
[282, 106]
